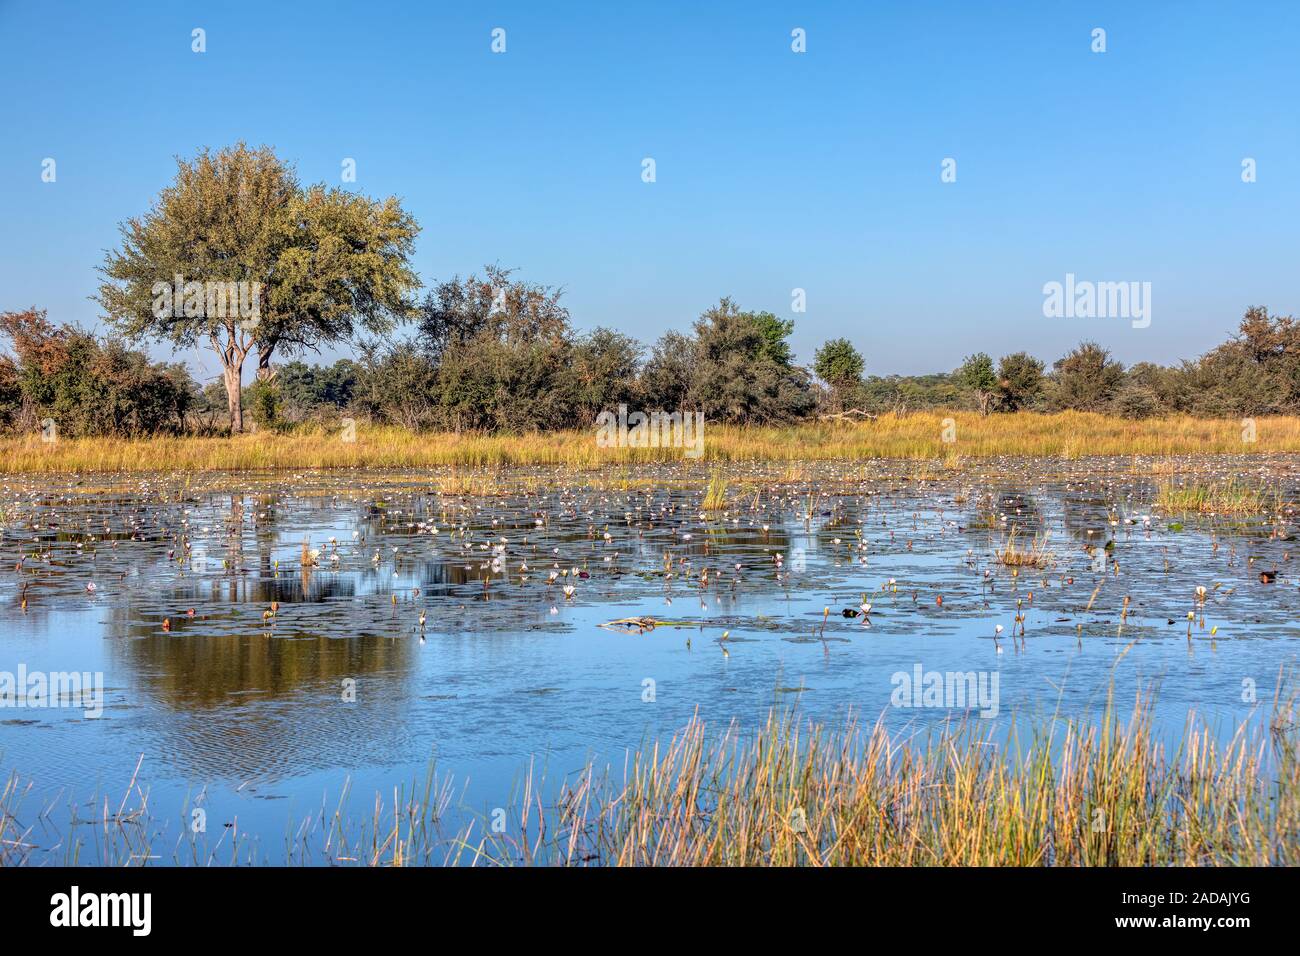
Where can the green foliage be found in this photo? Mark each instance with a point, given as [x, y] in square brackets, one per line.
[494, 353]
[396, 383]
[976, 373]
[838, 364]
[501, 385]
[1135, 400]
[774, 332]
[266, 404]
[977, 377]
[491, 352]
[11, 392]
[1257, 372]
[668, 373]
[459, 312]
[318, 264]
[308, 391]
[1086, 379]
[87, 386]
[501, 355]
[1019, 381]
[603, 372]
[909, 393]
[737, 376]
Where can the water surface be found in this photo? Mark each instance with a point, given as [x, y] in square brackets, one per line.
[243, 679]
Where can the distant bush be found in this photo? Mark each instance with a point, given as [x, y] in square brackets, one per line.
[1019, 382]
[742, 371]
[310, 391]
[1086, 380]
[839, 365]
[396, 383]
[86, 385]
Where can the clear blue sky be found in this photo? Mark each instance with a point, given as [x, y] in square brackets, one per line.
[775, 170]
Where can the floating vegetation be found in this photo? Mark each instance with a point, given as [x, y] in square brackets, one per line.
[225, 601]
[631, 625]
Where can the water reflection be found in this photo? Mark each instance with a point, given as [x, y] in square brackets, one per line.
[470, 624]
[255, 706]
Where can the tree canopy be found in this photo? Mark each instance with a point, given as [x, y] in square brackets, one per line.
[237, 256]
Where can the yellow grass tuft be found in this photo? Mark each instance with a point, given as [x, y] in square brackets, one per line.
[715, 496]
[1036, 556]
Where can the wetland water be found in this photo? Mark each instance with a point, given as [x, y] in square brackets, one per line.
[242, 682]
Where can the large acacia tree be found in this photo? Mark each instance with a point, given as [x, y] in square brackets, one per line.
[325, 263]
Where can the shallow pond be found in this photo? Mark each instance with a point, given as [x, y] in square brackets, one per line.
[260, 637]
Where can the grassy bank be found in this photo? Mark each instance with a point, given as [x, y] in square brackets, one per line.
[1104, 794]
[918, 436]
[1099, 793]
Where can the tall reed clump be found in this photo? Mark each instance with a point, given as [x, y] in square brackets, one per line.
[1088, 795]
[1014, 556]
[1221, 498]
[715, 495]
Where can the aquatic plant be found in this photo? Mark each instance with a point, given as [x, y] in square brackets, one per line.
[1230, 497]
[1088, 794]
[1014, 556]
[715, 495]
[1100, 792]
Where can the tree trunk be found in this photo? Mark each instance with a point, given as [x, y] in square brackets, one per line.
[233, 376]
[265, 371]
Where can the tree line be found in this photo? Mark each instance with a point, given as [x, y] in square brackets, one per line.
[237, 256]
[474, 364]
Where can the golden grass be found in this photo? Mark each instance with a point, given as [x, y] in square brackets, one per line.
[1067, 435]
